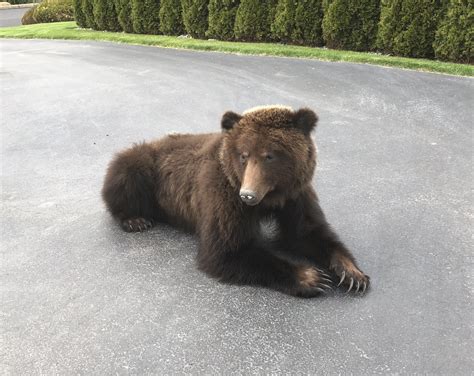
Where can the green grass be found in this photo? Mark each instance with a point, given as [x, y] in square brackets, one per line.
[69, 30]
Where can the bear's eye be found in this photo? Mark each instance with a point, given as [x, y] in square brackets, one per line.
[243, 157]
[269, 157]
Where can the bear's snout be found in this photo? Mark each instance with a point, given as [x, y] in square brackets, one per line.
[254, 184]
[249, 197]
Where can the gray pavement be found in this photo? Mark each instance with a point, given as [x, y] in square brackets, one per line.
[78, 295]
[11, 17]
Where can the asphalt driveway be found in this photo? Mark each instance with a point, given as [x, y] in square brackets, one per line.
[11, 17]
[78, 295]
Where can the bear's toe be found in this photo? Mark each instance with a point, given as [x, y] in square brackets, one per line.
[348, 275]
[353, 279]
[136, 224]
[312, 281]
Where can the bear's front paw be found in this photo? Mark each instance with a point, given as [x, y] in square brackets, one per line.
[136, 224]
[312, 281]
[349, 274]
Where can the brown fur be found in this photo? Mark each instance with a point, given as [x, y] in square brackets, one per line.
[308, 276]
[193, 181]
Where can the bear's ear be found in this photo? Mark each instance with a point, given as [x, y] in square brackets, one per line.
[305, 119]
[229, 119]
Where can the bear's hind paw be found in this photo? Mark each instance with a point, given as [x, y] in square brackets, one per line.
[137, 224]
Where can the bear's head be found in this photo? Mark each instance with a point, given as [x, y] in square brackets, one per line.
[268, 154]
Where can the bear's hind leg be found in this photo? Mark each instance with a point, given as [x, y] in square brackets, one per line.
[129, 189]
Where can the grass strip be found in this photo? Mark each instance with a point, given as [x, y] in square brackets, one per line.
[69, 31]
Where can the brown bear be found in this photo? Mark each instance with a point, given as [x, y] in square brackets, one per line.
[223, 185]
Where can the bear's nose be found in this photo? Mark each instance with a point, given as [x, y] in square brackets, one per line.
[248, 196]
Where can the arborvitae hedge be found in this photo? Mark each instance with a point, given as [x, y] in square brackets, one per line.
[171, 22]
[124, 15]
[408, 27]
[88, 11]
[105, 15]
[195, 13]
[455, 36]
[146, 16]
[326, 4]
[415, 28]
[271, 13]
[389, 25]
[284, 23]
[308, 23]
[351, 24]
[222, 18]
[79, 14]
[253, 20]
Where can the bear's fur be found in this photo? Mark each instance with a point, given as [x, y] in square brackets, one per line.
[222, 185]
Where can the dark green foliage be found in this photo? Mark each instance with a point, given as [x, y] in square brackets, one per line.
[389, 25]
[105, 15]
[171, 22]
[308, 23]
[79, 14]
[88, 12]
[195, 13]
[271, 13]
[124, 15]
[222, 18]
[455, 36]
[351, 24]
[326, 4]
[146, 16]
[54, 11]
[284, 20]
[253, 20]
[408, 27]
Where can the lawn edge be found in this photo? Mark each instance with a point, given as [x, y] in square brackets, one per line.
[386, 61]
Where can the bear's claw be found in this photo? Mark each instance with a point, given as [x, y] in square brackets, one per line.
[351, 276]
[325, 277]
[342, 278]
[136, 224]
[350, 285]
[312, 281]
[324, 286]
